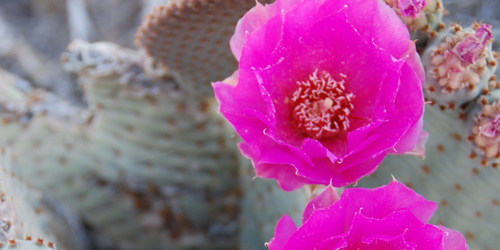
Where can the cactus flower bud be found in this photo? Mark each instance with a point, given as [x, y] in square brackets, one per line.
[460, 62]
[412, 8]
[486, 132]
[469, 49]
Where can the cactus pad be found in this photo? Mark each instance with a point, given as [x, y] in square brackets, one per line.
[191, 38]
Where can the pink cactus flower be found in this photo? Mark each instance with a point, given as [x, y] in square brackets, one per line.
[388, 217]
[324, 91]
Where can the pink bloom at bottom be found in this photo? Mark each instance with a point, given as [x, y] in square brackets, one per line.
[389, 217]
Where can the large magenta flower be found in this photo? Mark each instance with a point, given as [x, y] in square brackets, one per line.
[389, 217]
[324, 91]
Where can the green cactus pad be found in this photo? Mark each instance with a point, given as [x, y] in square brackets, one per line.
[28, 244]
[264, 204]
[191, 38]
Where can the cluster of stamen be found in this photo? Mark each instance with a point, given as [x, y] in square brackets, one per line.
[321, 106]
[486, 131]
[461, 60]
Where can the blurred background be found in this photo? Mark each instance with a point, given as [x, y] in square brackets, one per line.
[34, 33]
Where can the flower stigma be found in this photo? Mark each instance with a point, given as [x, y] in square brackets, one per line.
[321, 106]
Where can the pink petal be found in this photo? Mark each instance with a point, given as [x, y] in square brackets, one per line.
[284, 230]
[380, 202]
[410, 102]
[233, 79]
[389, 217]
[402, 128]
[413, 59]
[256, 18]
[244, 95]
[326, 169]
[398, 230]
[453, 240]
[419, 149]
[322, 224]
[373, 20]
[351, 175]
[280, 163]
[325, 199]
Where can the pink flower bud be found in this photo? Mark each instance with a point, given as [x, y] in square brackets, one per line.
[469, 49]
[412, 8]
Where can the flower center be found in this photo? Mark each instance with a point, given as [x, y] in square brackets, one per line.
[321, 106]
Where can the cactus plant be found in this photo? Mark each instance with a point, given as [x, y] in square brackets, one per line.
[149, 163]
[24, 217]
[111, 168]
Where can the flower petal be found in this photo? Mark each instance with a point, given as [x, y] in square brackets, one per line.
[380, 202]
[256, 18]
[389, 217]
[284, 230]
[323, 200]
[453, 240]
[373, 21]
